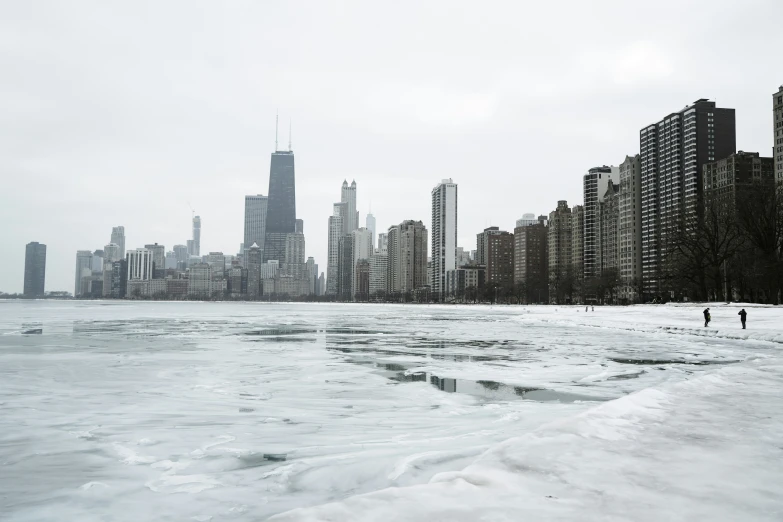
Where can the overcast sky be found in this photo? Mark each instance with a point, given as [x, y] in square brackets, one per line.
[126, 113]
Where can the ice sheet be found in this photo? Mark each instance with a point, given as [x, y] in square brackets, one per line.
[177, 411]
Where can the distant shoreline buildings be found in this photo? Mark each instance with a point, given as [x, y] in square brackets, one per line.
[681, 219]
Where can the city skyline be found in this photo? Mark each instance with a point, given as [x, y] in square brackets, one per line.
[396, 129]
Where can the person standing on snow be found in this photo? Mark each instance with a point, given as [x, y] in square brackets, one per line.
[707, 317]
[743, 317]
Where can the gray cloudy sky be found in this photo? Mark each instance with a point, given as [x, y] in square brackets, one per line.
[120, 113]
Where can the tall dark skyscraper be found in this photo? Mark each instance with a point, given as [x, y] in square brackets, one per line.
[34, 269]
[672, 154]
[281, 205]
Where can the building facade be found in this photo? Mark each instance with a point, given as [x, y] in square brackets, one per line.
[481, 244]
[672, 154]
[195, 243]
[461, 281]
[158, 259]
[254, 259]
[630, 228]
[140, 265]
[531, 262]
[777, 122]
[378, 269]
[362, 280]
[345, 269]
[350, 216]
[34, 270]
[444, 235]
[527, 219]
[559, 237]
[255, 220]
[119, 279]
[281, 205]
[595, 183]
[578, 244]
[369, 223]
[118, 238]
[608, 212]
[412, 256]
[500, 259]
[83, 269]
[726, 180]
[393, 285]
[333, 253]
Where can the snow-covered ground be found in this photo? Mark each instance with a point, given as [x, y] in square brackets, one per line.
[217, 411]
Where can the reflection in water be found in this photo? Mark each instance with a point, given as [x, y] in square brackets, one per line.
[645, 362]
[486, 389]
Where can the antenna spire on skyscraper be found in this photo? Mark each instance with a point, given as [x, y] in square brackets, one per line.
[289, 135]
[277, 117]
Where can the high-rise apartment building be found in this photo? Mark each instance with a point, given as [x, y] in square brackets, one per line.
[362, 280]
[369, 223]
[217, 260]
[293, 264]
[444, 235]
[203, 283]
[181, 251]
[171, 260]
[345, 268]
[393, 284]
[111, 253]
[531, 263]
[281, 205]
[383, 242]
[362, 250]
[118, 238]
[83, 269]
[527, 219]
[500, 259]
[195, 244]
[351, 216]
[630, 228]
[412, 254]
[140, 264]
[333, 253]
[119, 279]
[608, 220]
[559, 251]
[463, 258]
[158, 259]
[777, 122]
[481, 244]
[672, 154]
[379, 263]
[255, 220]
[596, 181]
[728, 179]
[34, 269]
[578, 244]
[253, 263]
[461, 280]
[312, 275]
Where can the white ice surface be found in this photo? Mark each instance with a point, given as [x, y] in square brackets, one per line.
[197, 411]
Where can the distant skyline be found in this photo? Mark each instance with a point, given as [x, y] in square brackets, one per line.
[514, 101]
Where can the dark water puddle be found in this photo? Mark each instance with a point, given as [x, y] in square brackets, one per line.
[277, 332]
[625, 376]
[340, 347]
[491, 390]
[652, 362]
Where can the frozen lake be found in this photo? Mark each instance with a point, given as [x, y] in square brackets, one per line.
[222, 411]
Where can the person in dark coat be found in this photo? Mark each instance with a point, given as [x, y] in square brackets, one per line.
[707, 317]
[743, 317]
